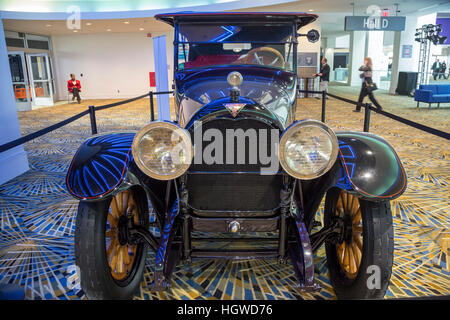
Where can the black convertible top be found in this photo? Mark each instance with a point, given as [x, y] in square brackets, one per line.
[300, 18]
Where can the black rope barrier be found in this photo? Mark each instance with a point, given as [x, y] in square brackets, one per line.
[413, 124]
[163, 92]
[343, 99]
[115, 104]
[41, 132]
[309, 91]
[392, 116]
[91, 111]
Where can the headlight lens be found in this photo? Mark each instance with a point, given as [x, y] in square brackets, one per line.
[162, 150]
[308, 149]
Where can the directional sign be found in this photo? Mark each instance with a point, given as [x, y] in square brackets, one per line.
[374, 23]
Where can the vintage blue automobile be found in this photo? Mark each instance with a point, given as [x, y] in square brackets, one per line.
[235, 162]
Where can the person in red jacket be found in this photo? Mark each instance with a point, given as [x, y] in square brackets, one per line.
[74, 87]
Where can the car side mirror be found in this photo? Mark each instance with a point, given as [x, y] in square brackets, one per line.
[313, 35]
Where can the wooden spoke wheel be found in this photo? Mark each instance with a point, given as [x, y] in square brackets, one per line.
[349, 251]
[120, 255]
[111, 266]
[364, 241]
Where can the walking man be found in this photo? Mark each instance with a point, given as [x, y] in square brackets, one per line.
[324, 75]
[436, 68]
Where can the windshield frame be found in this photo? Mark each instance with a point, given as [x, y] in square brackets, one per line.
[293, 43]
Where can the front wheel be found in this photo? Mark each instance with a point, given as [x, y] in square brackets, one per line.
[109, 267]
[360, 259]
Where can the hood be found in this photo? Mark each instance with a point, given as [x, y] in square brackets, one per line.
[272, 88]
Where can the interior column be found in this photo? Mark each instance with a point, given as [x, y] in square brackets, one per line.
[356, 57]
[13, 162]
[395, 62]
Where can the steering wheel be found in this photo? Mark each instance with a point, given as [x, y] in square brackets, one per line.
[265, 56]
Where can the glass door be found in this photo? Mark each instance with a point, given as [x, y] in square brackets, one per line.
[19, 80]
[40, 79]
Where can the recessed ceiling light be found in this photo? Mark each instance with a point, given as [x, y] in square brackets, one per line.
[88, 24]
[126, 22]
[48, 25]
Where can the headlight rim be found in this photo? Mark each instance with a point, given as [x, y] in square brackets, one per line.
[161, 124]
[290, 130]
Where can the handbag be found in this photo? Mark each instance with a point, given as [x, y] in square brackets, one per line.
[370, 86]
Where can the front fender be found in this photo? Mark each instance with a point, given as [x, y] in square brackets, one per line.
[370, 166]
[100, 165]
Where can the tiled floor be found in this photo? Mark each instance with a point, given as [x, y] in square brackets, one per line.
[37, 215]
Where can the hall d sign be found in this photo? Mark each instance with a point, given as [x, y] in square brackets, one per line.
[362, 23]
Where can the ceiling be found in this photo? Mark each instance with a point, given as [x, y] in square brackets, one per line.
[49, 27]
[107, 5]
[332, 12]
[331, 16]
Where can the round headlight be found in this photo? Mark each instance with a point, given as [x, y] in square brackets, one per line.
[234, 79]
[162, 150]
[308, 149]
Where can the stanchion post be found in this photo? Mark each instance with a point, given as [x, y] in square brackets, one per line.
[324, 97]
[152, 107]
[93, 121]
[366, 117]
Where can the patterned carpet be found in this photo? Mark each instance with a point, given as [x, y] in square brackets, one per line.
[37, 216]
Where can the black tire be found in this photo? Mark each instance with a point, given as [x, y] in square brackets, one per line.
[90, 251]
[377, 250]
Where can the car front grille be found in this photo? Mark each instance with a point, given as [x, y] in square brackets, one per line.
[234, 189]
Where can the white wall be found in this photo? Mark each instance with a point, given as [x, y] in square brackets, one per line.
[407, 38]
[117, 65]
[343, 41]
[114, 65]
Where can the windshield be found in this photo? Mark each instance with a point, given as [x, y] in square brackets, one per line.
[205, 45]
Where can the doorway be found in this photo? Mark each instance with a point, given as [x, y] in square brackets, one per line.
[32, 79]
[40, 79]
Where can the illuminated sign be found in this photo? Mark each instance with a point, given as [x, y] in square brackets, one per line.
[374, 23]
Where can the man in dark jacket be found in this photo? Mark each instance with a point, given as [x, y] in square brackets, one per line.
[436, 68]
[324, 75]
